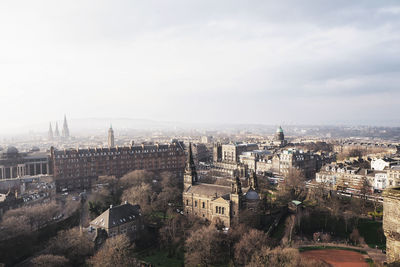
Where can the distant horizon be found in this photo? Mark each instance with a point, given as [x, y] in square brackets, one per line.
[42, 127]
[264, 62]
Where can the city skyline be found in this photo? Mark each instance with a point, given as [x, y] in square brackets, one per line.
[330, 63]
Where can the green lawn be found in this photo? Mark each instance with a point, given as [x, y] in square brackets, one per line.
[161, 259]
[372, 233]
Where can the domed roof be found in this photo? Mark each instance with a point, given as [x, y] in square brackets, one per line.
[279, 130]
[12, 150]
[252, 195]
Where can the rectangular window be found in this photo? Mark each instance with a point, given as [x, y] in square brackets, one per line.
[187, 202]
[223, 209]
[204, 205]
[216, 209]
[195, 203]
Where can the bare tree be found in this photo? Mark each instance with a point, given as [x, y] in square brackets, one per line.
[206, 246]
[293, 187]
[141, 194]
[251, 242]
[136, 178]
[74, 244]
[14, 225]
[36, 217]
[115, 252]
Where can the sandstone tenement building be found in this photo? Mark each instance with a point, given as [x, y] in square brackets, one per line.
[77, 168]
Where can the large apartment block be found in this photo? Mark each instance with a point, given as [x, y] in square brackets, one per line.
[77, 168]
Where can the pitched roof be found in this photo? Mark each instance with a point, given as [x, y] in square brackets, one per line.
[116, 216]
[210, 190]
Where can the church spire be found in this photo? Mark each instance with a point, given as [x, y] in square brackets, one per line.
[237, 186]
[65, 131]
[253, 182]
[190, 176]
[50, 133]
[56, 132]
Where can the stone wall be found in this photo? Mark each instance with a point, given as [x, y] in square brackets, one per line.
[391, 223]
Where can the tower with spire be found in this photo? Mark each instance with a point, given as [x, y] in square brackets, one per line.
[190, 176]
[253, 182]
[110, 137]
[56, 132]
[50, 135]
[65, 131]
[237, 199]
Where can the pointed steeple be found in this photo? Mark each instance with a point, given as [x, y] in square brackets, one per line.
[65, 131]
[237, 186]
[50, 133]
[190, 176]
[253, 182]
[56, 132]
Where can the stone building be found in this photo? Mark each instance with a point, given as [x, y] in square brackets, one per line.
[253, 158]
[217, 152]
[380, 164]
[293, 158]
[217, 203]
[231, 152]
[226, 159]
[14, 164]
[393, 176]
[78, 168]
[200, 153]
[345, 178]
[111, 137]
[122, 219]
[391, 223]
[279, 138]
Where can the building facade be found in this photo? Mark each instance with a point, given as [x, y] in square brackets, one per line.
[216, 203]
[14, 164]
[78, 168]
[393, 176]
[231, 152]
[122, 219]
[295, 159]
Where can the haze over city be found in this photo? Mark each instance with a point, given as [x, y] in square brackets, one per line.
[308, 62]
[225, 133]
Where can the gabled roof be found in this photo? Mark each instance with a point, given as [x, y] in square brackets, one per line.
[116, 216]
[210, 190]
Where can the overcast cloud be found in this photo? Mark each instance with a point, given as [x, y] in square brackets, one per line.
[271, 62]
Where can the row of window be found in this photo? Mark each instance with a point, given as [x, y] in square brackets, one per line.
[117, 153]
[219, 210]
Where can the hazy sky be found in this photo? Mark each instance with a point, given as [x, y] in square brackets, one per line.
[271, 62]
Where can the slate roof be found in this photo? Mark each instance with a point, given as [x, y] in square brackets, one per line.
[117, 215]
[210, 190]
